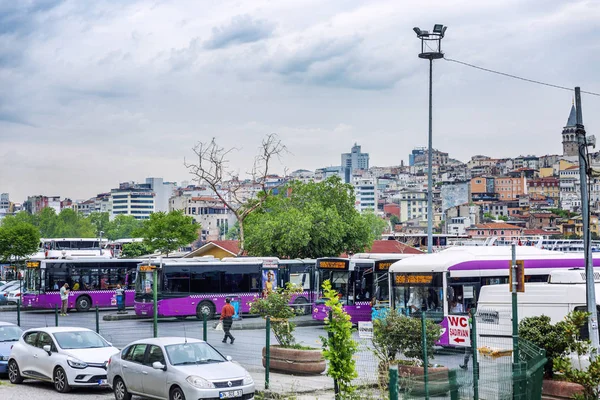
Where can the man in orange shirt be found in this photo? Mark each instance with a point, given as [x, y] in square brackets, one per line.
[227, 317]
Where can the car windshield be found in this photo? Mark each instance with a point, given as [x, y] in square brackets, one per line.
[193, 353]
[10, 333]
[80, 340]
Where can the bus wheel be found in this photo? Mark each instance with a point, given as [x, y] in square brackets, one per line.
[302, 305]
[205, 307]
[84, 303]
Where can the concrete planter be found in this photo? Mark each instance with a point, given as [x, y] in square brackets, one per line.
[560, 389]
[412, 380]
[294, 361]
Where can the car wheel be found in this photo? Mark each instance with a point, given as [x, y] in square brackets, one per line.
[61, 384]
[121, 392]
[14, 375]
[205, 307]
[176, 394]
[83, 303]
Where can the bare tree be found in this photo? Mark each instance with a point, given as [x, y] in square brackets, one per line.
[212, 169]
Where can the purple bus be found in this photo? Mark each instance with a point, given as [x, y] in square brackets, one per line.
[449, 282]
[92, 281]
[197, 286]
[361, 281]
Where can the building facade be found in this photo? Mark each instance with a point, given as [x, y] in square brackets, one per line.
[354, 160]
[366, 193]
[136, 199]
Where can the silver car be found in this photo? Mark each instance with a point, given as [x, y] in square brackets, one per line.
[177, 368]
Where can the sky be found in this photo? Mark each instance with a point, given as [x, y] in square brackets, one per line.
[93, 93]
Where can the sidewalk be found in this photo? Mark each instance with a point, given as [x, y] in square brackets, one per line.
[246, 322]
[298, 387]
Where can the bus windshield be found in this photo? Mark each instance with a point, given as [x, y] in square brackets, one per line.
[417, 293]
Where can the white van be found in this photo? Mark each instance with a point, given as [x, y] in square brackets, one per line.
[564, 292]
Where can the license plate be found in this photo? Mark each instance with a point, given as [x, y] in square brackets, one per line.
[144, 312]
[231, 394]
[102, 382]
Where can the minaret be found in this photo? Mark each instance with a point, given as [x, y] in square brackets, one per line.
[569, 138]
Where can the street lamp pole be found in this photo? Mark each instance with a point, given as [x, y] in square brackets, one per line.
[101, 233]
[431, 49]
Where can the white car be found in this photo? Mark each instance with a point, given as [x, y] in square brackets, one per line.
[66, 356]
[177, 368]
[14, 296]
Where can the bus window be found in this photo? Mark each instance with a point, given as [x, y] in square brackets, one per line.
[176, 282]
[205, 282]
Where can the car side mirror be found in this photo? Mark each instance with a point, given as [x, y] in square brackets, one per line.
[228, 358]
[47, 349]
[159, 365]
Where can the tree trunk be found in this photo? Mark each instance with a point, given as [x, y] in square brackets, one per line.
[241, 240]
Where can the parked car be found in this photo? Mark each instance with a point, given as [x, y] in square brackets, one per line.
[66, 356]
[4, 290]
[14, 296]
[9, 334]
[177, 368]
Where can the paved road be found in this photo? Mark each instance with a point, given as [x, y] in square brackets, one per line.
[247, 350]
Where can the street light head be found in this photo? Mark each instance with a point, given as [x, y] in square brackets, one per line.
[437, 28]
[417, 31]
[444, 31]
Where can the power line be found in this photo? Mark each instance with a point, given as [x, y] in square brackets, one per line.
[517, 77]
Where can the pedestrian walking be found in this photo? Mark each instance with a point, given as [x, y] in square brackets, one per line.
[227, 317]
[64, 298]
[468, 349]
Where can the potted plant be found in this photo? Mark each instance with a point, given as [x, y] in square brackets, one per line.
[287, 356]
[396, 335]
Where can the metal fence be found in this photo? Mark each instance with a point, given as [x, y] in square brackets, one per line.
[485, 370]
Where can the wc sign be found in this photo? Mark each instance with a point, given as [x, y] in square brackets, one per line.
[459, 333]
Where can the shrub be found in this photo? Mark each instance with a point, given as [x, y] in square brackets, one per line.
[338, 346]
[277, 306]
[590, 377]
[539, 331]
[396, 333]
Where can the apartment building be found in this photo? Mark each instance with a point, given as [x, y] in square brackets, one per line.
[366, 193]
[544, 187]
[210, 212]
[501, 230]
[413, 205]
[510, 188]
[136, 199]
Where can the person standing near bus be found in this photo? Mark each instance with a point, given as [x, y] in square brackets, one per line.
[227, 317]
[64, 298]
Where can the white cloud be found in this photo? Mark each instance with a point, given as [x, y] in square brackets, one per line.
[123, 90]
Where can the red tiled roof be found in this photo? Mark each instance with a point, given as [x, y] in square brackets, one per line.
[205, 198]
[392, 246]
[232, 246]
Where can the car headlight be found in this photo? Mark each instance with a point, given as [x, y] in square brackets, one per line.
[248, 379]
[3, 358]
[199, 382]
[75, 363]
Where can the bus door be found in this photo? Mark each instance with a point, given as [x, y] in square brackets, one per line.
[381, 286]
[336, 271]
[362, 281]
[462, 295]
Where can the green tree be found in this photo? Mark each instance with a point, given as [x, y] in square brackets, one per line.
[135, 249]
[123, 227]
[539, 331]
[310, 220]
[18, 240]
[100, 220]
[167, 232]
[21, 216]
[234, 232]
[394, 220]
[48, 223]
[72, 224]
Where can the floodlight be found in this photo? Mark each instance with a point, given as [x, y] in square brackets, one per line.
[444, 31]
[437, 28]
[417, 31]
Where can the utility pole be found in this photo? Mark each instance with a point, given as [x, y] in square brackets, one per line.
[585, 213]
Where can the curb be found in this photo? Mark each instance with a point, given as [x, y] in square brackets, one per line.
[119, 317]
[261, 324]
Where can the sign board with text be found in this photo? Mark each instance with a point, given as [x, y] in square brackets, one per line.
[365, 329]
[459, 331]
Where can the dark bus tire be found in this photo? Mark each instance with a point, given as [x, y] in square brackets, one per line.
[206, 307]
[83, 303]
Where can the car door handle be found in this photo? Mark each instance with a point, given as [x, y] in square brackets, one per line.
[35, 356]
[144, 372]
[125, 366]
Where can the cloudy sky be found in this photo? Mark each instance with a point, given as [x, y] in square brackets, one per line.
[93, 93]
